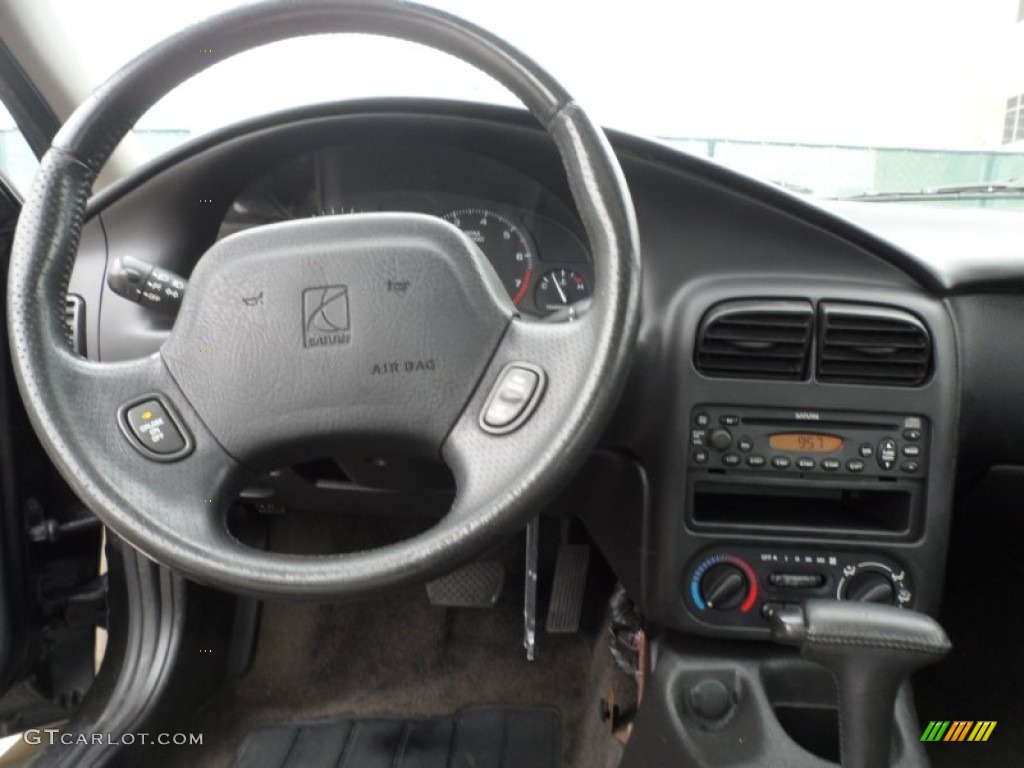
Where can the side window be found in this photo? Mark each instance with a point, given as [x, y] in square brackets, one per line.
[17, 163]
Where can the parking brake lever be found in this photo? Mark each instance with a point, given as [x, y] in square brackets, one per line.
[871, 649]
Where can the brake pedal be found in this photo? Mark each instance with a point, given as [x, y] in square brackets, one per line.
[566, 606]
[476, 585]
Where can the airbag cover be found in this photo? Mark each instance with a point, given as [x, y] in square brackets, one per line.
[294, 334]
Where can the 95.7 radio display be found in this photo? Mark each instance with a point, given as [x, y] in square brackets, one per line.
[805, 442]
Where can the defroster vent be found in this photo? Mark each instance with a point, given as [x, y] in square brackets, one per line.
[756, 339]
[861, 343]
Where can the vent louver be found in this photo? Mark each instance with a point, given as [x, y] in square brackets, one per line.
[868, 344]
[74, 322]
[756, 339]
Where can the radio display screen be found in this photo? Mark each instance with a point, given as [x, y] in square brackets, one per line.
[805, 442]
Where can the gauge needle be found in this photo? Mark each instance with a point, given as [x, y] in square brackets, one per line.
[558, 287]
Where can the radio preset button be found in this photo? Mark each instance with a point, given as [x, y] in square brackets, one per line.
[912, 451]
[755, 460]
[887, 453]
[855, 465]
[912, 434]
[700, 456]
[805, 463]
[729, 421]
[830, 465]
[866, 450]
[721, 439]
[910, 466]
[731, 459]
[702, 420]
[781, 462]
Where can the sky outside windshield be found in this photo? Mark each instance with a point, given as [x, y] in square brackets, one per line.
[918, 73]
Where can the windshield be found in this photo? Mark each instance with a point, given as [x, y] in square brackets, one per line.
[826, 99]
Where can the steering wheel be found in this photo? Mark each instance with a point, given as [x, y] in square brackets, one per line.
[331, 353]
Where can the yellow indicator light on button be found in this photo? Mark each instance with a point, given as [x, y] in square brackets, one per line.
[147, 415]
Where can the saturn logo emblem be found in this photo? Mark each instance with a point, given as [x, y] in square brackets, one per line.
[325, 316]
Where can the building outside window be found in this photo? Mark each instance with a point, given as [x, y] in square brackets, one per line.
[1013, 127]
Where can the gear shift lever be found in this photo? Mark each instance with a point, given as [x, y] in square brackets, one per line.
[870, 649]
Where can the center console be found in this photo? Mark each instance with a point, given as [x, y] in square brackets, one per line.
[802, 462]
[805, 455]
[855, 474]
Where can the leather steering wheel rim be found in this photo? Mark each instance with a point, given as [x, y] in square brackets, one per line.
[175, 512]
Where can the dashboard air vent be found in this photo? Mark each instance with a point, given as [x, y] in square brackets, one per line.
[875, 345]
[74, 322]
[755, 339]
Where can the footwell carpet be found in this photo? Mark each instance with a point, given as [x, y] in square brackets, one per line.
[474, 738]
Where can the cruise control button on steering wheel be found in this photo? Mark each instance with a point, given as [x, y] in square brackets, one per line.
[513, 398]
[151, 426]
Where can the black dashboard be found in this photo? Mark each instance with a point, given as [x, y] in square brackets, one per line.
[803, 392]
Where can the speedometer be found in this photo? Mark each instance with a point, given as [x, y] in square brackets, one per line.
[503, 243]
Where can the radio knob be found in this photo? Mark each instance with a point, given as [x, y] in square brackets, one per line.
[721, 439]
[871, 587]
[723, 587]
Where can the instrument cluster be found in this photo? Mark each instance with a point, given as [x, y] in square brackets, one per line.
[538, 255]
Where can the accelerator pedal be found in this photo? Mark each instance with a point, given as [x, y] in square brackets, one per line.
[476, 585]
[567, 591]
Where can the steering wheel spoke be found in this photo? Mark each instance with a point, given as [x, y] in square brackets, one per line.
[127, 420]
[498, 469]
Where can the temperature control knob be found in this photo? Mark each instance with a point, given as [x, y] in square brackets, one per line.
[723, 582]
[870, 587]
[724, 586]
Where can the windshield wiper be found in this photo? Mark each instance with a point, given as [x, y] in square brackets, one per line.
[986, 190]
[791, 186]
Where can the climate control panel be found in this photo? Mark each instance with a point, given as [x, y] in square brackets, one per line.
[740, 586]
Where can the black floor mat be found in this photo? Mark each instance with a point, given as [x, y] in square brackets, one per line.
[477, 738]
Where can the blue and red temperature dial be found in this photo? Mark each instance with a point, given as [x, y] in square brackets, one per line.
[722, 583]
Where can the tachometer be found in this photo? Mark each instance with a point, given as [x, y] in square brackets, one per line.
[503, 243]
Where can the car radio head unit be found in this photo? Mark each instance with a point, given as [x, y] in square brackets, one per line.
[807, 443]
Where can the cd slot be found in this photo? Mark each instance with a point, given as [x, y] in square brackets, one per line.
[800, 508]
[814, 425]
